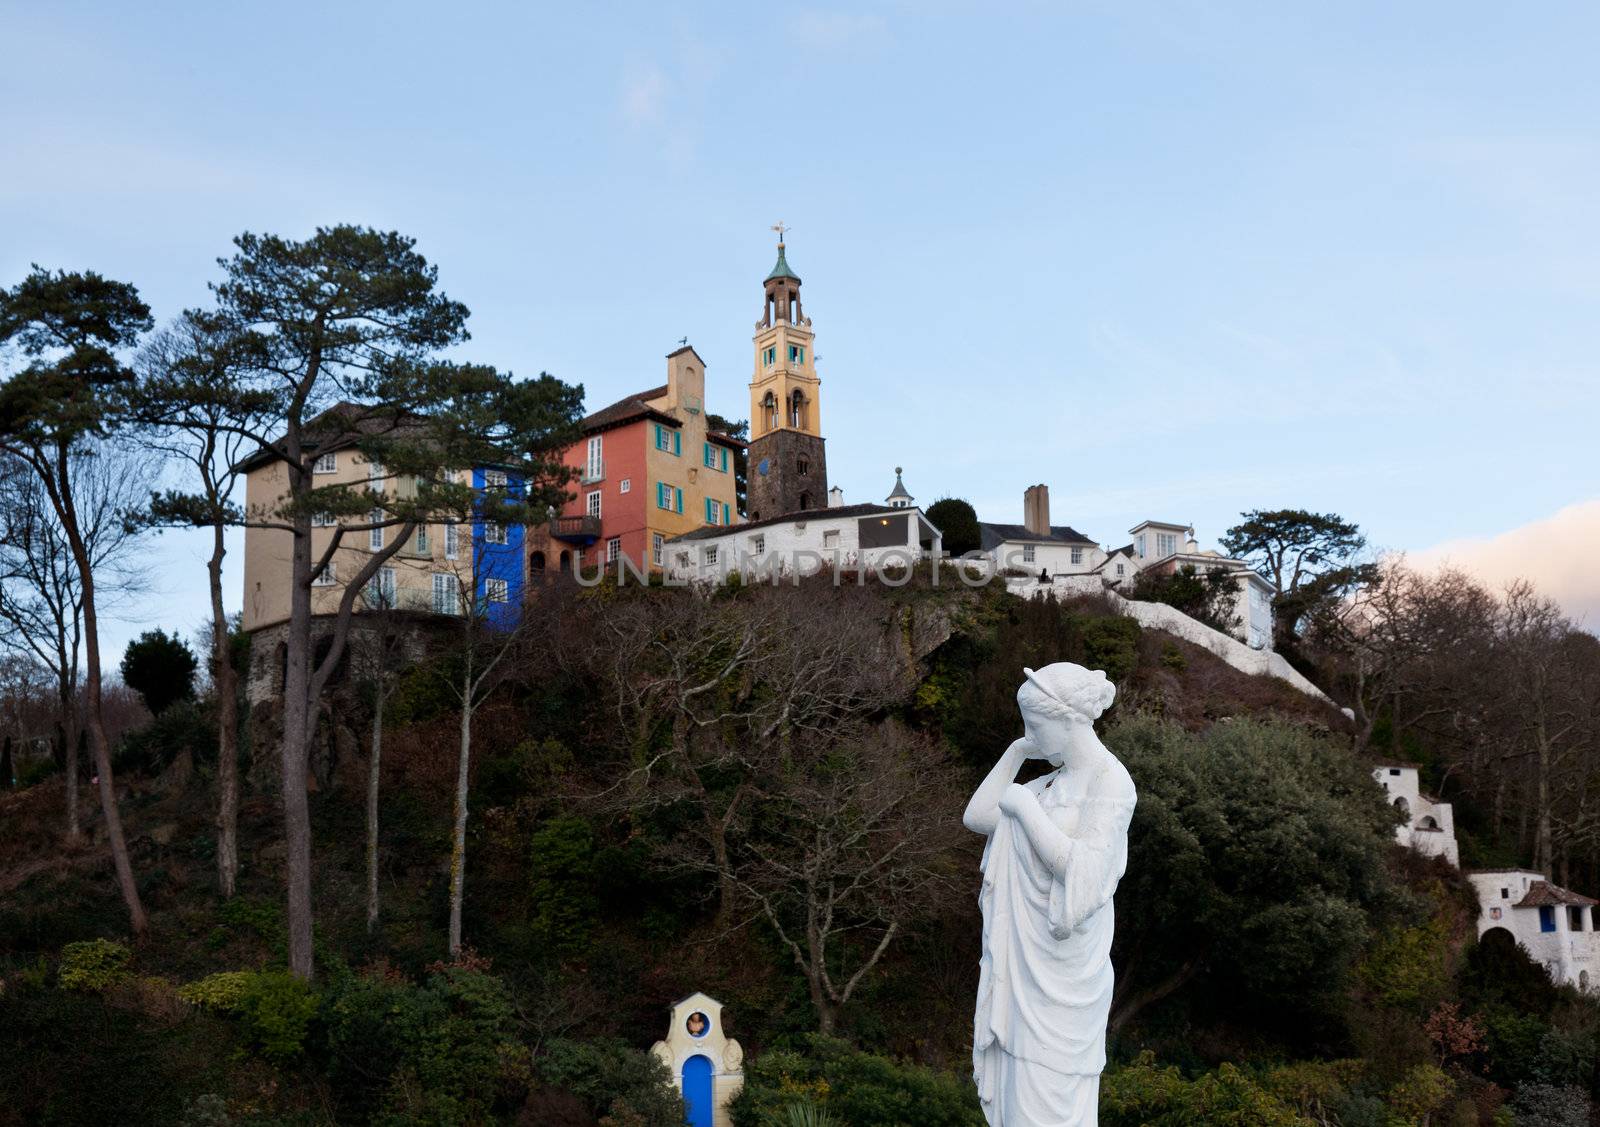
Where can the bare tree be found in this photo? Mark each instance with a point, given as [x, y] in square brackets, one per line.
[849, 845]
[41, 592]
[377, 664]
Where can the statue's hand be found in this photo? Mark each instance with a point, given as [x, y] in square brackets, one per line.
[1015, 798]
[1026, 747]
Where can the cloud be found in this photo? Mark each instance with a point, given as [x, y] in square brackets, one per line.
[644, 94]
[834, 30]
[1558, 555]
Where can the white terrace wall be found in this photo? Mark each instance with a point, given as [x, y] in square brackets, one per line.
[1159, 616]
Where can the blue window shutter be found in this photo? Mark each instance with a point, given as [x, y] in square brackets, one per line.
[727, 514]
[724, 459]
[679, 507]
[677, 443]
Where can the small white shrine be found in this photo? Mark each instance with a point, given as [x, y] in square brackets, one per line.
[706, 1064]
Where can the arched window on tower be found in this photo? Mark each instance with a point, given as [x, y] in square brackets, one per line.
[769, 408]
[797, 410]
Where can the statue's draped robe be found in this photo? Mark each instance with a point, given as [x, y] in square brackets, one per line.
[1044, 985]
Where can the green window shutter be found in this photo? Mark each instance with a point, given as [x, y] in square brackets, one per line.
[724, 453]
[677, 443]
[727, 514]
[679, 506]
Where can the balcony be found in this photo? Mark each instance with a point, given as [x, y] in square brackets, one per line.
[593, 472]
[583, 530]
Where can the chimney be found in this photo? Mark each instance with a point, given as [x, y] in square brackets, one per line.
[1036, 509]
[835, 497]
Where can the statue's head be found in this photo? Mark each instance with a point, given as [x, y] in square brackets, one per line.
[1059, 701]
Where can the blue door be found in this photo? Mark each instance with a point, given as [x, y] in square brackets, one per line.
[697, 1090]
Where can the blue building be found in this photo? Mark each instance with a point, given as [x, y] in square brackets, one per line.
[497, 551]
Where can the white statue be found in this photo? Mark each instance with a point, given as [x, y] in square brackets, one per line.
[1057, 847]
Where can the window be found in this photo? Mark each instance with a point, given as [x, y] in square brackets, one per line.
[713, 511]
[1574, 918]
[452, 540]
[1547, 918]
[594, 466]
[497, 590]
[1027, 553]
[494, 532]
[327, 577]
[770, 356]
[669, 497]
[830, 539]
[380, 588]
[625, 485]
[669, 440]
[613, 549]
[1139, 544]
[322, 520]
[375, 475]
[1166, 544]
[1077, 555]
[446, 593]
[802, 467]
[711, 554]
[422, 540]
[797, 354]
[494, 479]
[1394, 770]
[326, 463]
[710, 456]
[375, 536]
[1505, 894]
[1122, 570]
[591, 503]
[758, 544]
[657, 543]
[683, 559]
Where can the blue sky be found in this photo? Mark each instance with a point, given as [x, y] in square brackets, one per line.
[1176, 261]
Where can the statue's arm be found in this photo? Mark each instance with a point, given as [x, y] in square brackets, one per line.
[1047, 839]
[983, 812]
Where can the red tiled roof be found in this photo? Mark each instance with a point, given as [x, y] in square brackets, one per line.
[625, 410]
[1543, 894]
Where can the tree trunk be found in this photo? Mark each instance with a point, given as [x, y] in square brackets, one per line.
[7, 777]
[137, 919]
[225, 682]
[458, 844]
[1542, 854]
[292, 754]
[67, 756]
[373, 765]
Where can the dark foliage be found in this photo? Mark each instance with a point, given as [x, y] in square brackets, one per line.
[958, 521]
[160, 667]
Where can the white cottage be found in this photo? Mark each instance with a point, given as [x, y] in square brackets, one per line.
[1555, 926]
[846, 537]
[706, 1064]
[1036, 545]
[1430, 825]
[1160, 546]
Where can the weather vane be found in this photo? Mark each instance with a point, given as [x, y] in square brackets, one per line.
[780, 228]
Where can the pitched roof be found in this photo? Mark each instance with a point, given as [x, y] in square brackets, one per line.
[726, 439]
[627, 409]
[710, 531]
[1543, 894]
[899, 487]
[993, 535]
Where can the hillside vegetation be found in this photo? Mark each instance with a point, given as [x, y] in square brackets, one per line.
[648, 777]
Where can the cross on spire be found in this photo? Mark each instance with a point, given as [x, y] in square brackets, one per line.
[780, 228]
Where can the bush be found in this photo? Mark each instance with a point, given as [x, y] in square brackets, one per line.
[185, 725]
[223, 991]
[1142, 1095]
[613, 1081]
[93, 966]
[276, 1009]
[861, 1089]
[1545, 1105]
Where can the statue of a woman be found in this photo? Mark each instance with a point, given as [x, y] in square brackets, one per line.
[1057, 847]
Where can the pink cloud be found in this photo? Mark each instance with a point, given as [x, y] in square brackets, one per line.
[1560, 555]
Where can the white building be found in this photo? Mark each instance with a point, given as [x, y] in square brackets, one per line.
[1036, 545]
[1556, 927]
[844, 537]
[1430, 825]
[1159, 546]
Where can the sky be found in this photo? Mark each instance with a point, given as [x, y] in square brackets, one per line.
[1176, 261]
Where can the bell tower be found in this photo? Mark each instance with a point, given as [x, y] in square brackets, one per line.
[788, 466]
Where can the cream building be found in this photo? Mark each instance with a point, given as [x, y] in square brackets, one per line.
[1430, 825]
[706, 1064]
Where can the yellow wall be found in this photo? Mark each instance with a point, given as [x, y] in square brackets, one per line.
[687, 471]
[782, 378]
